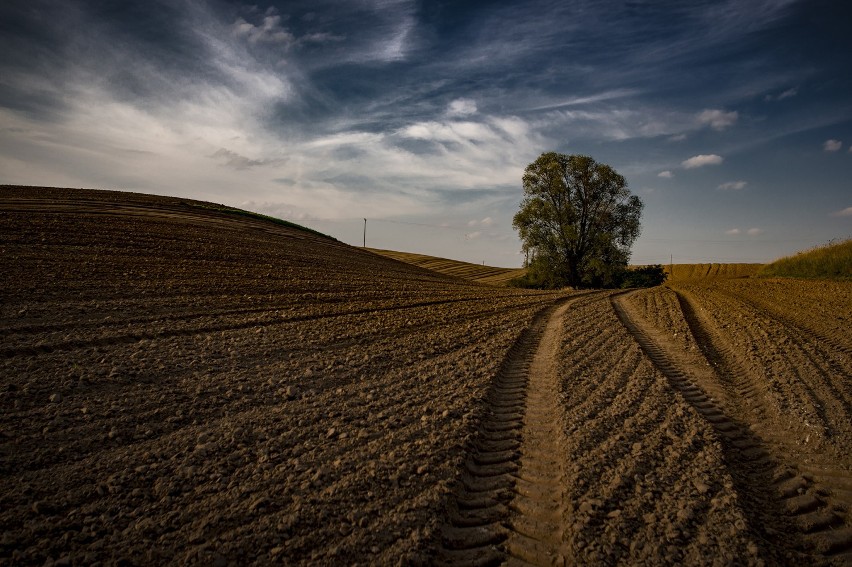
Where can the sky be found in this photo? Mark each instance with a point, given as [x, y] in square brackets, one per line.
[731, 119]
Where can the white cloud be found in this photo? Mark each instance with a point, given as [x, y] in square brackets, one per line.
[461, 107]
[832, 145]
[733, 232]
[718, 119]
[473, 235]
[268, 31]
[754, 231]
[732, 185]
[665, 174]
[702, 160]
[847, 212]
[677, 138]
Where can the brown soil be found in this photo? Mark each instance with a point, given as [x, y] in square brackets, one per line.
[186, 385]
[464, 270]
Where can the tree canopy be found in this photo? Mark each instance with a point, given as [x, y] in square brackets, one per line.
[577, 222]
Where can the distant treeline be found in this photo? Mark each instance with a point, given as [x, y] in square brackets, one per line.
[639, 276]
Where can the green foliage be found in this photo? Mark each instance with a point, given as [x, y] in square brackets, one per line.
[577, 222]
[833, 261]
[538, 276]
[645, 276]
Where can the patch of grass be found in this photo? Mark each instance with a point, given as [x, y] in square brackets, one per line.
[833, 261]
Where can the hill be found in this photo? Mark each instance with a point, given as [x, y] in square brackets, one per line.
[182, 382]
[832, 262]
[464, 270]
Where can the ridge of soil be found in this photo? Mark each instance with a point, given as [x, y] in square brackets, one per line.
[795, 471]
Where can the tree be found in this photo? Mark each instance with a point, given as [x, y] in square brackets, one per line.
[577, 221]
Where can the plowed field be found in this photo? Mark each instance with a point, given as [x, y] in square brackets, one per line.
[185, 385]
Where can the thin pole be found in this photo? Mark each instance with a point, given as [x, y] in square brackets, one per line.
[365, 233]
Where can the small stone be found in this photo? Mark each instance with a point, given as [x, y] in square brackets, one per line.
[55, 398]
[331, 432]
[258, 503]
[700, 486]
[309, 373]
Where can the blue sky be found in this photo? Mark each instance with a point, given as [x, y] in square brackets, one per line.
[732, 120]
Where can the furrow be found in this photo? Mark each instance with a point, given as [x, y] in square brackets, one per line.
[793, 502]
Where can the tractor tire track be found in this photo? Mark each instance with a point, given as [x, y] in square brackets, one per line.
[799, 512]
[507, 505]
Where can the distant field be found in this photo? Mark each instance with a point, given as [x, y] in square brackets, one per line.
[465, 270]
[502, 276]
[833, 261]
[683, 272]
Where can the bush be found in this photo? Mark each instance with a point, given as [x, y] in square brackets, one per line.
[645, 276]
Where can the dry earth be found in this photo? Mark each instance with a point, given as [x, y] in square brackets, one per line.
[681, 272]
[185, 385]
[464, 270]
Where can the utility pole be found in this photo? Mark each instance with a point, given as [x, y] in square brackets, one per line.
[365, 233]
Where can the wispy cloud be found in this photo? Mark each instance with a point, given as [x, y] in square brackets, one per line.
[789, 93]
[847, 212]
[749, 232]
[832, 145]
[718, 119]
[487, 221]
[702, 160]
[665, 174]
[732, 186]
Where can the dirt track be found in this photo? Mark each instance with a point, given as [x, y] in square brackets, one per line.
[181, 384]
